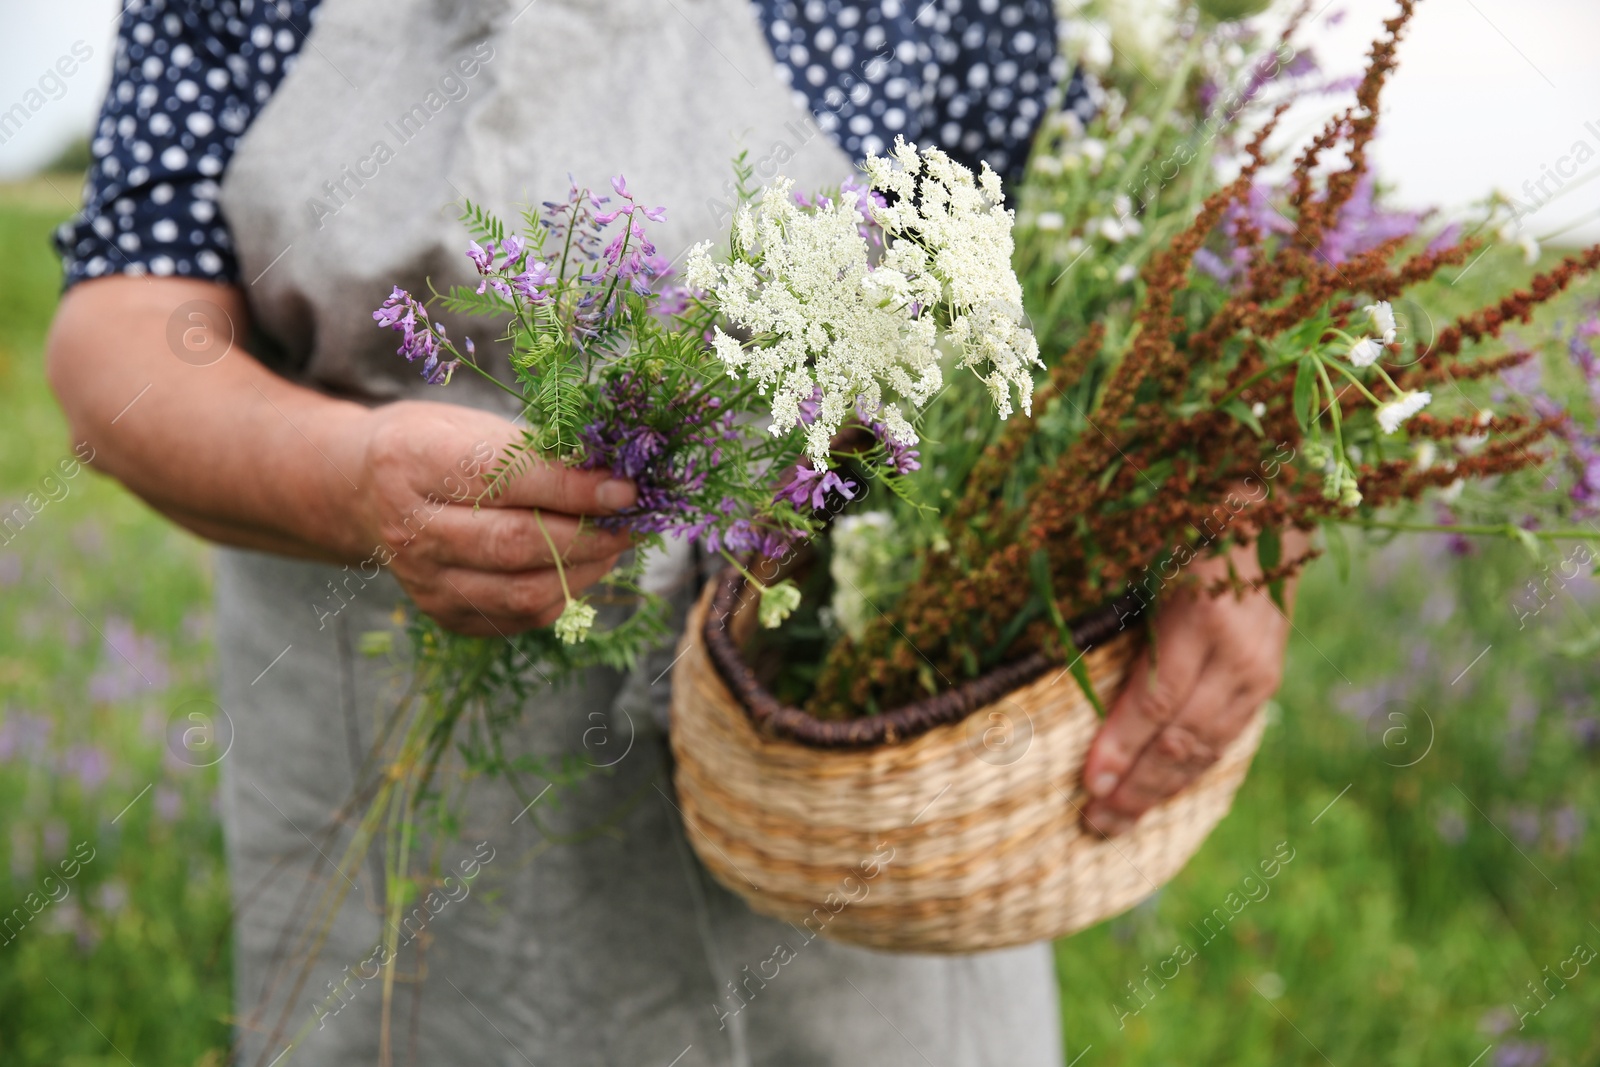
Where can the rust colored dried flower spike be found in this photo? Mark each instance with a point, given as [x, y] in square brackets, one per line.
[1084, 511]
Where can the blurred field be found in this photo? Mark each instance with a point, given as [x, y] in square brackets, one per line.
[1431, 772]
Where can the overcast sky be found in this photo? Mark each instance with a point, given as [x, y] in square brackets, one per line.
[1489, 94]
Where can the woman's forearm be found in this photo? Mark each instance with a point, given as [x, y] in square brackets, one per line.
[227, 449]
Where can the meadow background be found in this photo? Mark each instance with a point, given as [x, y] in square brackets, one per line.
[1431, 769]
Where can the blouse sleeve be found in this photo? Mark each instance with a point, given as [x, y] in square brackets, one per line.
[188, 77]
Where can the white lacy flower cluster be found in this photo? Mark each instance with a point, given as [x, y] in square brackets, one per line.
[824, 323]
[949, 240]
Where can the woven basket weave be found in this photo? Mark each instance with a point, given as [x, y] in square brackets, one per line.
[931, 836]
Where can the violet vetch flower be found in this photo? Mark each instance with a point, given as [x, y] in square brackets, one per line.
[632, 438]
[807, 488]
[404, 314]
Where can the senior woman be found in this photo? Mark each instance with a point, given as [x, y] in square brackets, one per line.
[264, 173]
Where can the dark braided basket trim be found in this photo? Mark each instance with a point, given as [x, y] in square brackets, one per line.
[777, 719]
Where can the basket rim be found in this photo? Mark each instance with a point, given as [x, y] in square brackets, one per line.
[772, 717]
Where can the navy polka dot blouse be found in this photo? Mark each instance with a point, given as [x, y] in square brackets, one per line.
[972, 76]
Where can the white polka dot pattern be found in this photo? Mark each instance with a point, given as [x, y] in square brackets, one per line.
[971, 76]
[187, 79]
[189, 76]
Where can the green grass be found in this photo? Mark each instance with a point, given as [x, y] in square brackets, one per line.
[1419, 902]
[133, 961]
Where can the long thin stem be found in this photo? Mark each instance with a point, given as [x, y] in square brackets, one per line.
[555, 554]
[1507, 530]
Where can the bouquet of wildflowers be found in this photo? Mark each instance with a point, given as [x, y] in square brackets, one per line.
[721, 396]
[1268, 366]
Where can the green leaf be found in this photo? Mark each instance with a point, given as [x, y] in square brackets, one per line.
[1241, 411]
[1305, 393]
[1269, 553]
[1040, 565]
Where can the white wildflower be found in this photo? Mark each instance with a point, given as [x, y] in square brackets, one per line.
[700, 271]
[1398, 410]
[1452, 492]
[821, 316]
[1051, 220]
[1383, 320]
[777, 603]
[1365, 352]
[576, 620]
[1112, 230]
[1427, 455]
[864, 549]
[1530, 249]
[1126, 273]
[1258, 409]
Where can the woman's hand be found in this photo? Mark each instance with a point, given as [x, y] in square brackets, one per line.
[1217, 658]
[489, 569]
[158, 391]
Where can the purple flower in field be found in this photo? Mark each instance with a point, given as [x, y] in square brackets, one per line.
[1522, 820]
[807, 488]
[1451, 826]
[1566, 827]
[88, 764]
[54, 836]
[24, 736]
[130, 664]
[1586, 732]
[111, 897]
[1520, 1054]
[169, 804]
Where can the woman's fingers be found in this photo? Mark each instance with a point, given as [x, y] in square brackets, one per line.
[510, 540]
[1149, 701]
[484, 605]
[552, 487]
[1210, 718]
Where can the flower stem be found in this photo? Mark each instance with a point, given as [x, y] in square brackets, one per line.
[555, 554]
[1470, 531]
[740, 567]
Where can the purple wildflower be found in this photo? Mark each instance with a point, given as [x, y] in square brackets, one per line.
[669, 451]
[807, 488]
[25, 736]
[130, 664]
[169, 804]
[1519, 1054]
[88, 764]
[482, 258]
[405, 314]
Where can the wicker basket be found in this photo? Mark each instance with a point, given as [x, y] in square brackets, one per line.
[949, 826]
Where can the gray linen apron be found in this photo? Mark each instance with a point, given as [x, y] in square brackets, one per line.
[617, 949]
